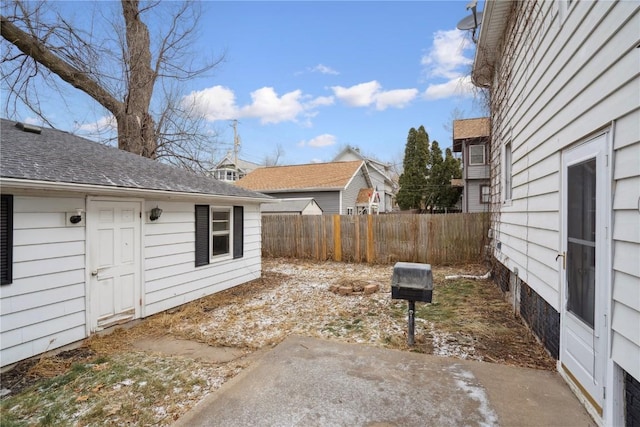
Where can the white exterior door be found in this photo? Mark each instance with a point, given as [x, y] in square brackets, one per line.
[584, 268]
[114, 262]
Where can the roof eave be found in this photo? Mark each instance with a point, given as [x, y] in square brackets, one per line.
[494, 21]
[292, 190]
[28, 184]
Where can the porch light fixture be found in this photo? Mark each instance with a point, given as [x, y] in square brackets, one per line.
[74, 219]
[155, 213]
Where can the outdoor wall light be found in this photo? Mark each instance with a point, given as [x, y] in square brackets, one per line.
[155, 213]
[74, 219]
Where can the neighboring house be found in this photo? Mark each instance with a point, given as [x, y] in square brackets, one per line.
[380, 174]
[368, 202]
[92, 236]
[471, 138]
[229, 170]
[334, 186]
[305, 206]
[565, 185]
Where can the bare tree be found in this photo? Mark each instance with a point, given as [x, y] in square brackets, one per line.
[273, 158]
[455, 114]
[117, 62]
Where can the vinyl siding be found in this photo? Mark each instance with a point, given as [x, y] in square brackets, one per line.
[350, 194]
[329, 201]
[562, 81]
[43, 308]
[170, 275]
[472, 196]
[626, 244]
[377, 181]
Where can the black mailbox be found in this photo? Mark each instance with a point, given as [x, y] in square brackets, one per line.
[412, 281]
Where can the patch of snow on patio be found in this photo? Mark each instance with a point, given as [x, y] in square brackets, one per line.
[466, 381]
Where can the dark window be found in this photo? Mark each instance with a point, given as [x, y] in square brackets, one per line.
[6, 239]
[218, 232]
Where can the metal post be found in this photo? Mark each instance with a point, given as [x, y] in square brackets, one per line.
[411, 325]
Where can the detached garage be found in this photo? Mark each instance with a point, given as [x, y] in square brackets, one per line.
[92, 236]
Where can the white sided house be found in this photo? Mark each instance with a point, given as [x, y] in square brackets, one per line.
[381, 178]
[564, 78]
[92, 236]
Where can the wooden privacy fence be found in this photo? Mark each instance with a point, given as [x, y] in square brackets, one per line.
[381, 239]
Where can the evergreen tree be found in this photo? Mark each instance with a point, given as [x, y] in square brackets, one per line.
[440, 194]
[413, 181]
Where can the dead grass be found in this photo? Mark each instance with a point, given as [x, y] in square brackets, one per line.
[107, 380]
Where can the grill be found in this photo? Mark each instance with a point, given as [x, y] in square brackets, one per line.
[412, 282]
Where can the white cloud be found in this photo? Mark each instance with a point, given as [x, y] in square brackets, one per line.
[320, 101]
[271, 108]
[459, 86]
[361, 95]
[446, 60]
[398, 98]
[33, 121]
[446, 57]
[323, 69]
[214, 103]
[104, 124]
[219, 103]
[371, 93]
[319, 141]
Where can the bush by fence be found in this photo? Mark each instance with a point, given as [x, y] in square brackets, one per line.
[382, 239]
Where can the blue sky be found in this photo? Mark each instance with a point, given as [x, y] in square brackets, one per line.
[316, 76]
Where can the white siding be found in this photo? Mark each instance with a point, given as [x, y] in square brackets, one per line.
[44, 306]
[171, 278]
[626, 244]
[560, 82]
[350, 194]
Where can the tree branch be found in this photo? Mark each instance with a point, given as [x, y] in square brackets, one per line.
[32, 47]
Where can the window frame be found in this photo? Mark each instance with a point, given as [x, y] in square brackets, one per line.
[228, 232]
[6, 276]
[349, 211]
[484, 155]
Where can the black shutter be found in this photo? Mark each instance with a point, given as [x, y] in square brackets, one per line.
[238, 231]
[202, 235]
[6, 239]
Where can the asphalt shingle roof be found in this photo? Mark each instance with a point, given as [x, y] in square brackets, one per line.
[471, 128]
[329, 176]
[58, 156]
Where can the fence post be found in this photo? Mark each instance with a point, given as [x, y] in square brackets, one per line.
[370, 241]
[337, 239]
[356, 256]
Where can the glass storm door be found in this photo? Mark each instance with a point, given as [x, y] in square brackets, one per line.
[583, 269]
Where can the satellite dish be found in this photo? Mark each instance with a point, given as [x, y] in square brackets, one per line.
[470, 22]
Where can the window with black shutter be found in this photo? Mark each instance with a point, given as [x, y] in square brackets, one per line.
[6, 239]
[219, 233]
